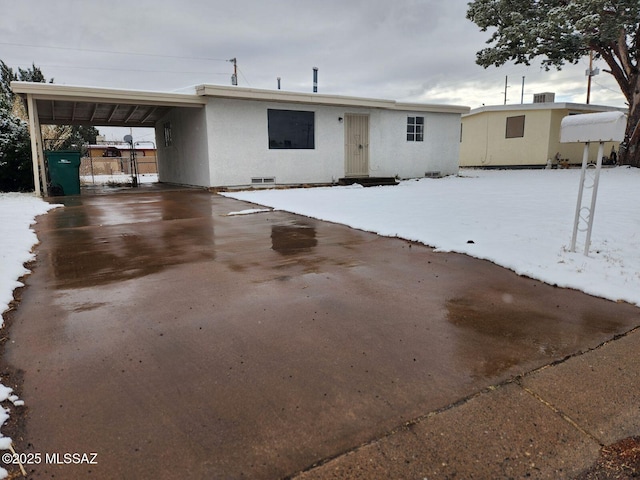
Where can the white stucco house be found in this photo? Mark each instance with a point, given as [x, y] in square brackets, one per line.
[257, 137]
[230, 137]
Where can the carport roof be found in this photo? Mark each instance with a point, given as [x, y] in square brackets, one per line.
[71, 105]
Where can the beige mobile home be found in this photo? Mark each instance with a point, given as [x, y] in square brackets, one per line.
[522, 136]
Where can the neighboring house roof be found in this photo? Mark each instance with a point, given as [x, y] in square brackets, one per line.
[578, 107]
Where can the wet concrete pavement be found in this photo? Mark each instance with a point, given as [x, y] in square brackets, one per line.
[176, 341]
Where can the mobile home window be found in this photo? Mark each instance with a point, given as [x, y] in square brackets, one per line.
[415, 129]
[291, 129]
[515, 127]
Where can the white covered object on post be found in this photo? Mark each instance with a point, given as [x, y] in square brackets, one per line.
[593, 127]
[587, 128]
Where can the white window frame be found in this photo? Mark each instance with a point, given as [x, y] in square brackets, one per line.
[415, 129]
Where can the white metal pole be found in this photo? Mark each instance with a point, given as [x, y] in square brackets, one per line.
[34, 126]
[576, 221]
[592, 210]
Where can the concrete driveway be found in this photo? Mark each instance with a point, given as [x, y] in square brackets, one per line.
[176, 341]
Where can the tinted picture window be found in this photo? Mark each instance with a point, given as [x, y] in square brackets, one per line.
[291, 129]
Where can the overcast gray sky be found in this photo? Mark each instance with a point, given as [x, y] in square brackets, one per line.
[406, 50]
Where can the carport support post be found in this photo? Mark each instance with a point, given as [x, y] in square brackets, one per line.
[37, 154]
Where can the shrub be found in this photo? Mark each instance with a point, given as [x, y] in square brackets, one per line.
[16, 170]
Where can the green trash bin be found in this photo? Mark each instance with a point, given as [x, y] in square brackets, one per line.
[64, 172]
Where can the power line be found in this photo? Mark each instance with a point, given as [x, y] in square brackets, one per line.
[128, 69]
[112, 52]
[245, 78]
[618, 91]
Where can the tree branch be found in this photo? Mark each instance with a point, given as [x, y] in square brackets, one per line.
[636, 46]
[622, 52]
[616, 70]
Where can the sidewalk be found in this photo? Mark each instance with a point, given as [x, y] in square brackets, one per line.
[550, 423]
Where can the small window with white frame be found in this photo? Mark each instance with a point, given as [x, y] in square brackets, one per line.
[415, 129]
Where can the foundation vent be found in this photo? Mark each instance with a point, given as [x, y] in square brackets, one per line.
[263, 180]
[432, 174]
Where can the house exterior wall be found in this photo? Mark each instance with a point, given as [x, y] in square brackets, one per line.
[186, 160]
[484, 142]
[392, 155]
[238, 144]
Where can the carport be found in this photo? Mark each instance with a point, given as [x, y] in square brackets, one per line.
[51, 104]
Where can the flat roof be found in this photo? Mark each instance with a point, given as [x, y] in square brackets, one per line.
[581, 107]
[74, 105]
[243, 93]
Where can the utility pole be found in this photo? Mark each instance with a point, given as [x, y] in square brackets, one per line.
[590, 73]
[506, 81]
[315, 79]
[234, 77]
[522, 92]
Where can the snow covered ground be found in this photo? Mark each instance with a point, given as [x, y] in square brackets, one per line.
[520, 219]
[17, 214]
